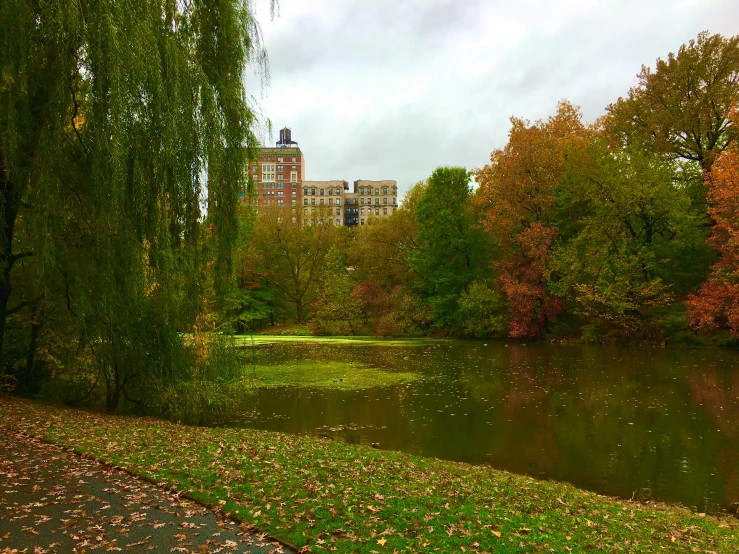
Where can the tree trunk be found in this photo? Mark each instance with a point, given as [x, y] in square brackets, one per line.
[299, 311]
[35, 331]
[114, 388]
[9, 214]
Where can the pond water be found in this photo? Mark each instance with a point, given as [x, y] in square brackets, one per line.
[629, 422]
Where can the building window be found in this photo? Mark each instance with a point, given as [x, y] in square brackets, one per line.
[377, 212]
[294, 168]
[362, 220]
[393, 201]
[279, 193]
[330, 201]
[279, 176]
[362, 201]
[384, 211]
[377, 192]
[330, 192]
[338, 211]
[293, 159]
[279, 186]
[338, 192]
[305, 192]
[279, 159]
[384, 200]
[384, 190]
[313, 192]
[321, 192]
[280, 202]
[295, 185]
[294, 194]
[361, 211]
[321, 200]
[312, 201]
[377, 201]
[338, 222]
[279, 168]
[338, 201]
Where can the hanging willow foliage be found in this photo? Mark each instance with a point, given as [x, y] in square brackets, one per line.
[123, 125]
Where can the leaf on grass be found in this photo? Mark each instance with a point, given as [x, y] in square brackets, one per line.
[496, 533]
[381, 542]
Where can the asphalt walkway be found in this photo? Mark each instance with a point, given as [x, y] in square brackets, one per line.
[54, 501]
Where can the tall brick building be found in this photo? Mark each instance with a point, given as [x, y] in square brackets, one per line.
[279, 177]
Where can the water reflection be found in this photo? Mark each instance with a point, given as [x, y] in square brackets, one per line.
[614, 420]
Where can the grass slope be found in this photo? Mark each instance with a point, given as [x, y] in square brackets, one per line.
[327, 496]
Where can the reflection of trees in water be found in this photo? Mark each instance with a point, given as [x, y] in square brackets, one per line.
[717, 394]
[609, 419]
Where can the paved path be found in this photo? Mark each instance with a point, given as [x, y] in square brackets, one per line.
[52, 500]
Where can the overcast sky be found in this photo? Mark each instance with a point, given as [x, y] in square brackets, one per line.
[391, 89]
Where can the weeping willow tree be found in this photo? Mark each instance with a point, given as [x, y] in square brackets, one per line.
[125, 134]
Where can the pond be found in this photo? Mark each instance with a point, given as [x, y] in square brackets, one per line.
[630, 422]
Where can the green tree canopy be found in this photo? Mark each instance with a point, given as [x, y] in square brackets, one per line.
[121, 125]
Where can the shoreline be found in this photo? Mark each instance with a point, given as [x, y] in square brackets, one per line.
[317, 494]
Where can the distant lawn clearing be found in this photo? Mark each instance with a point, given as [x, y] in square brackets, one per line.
[258, 340]
[327, 375]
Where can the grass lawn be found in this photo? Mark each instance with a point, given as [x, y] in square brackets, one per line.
[327, 375]
[321, 495]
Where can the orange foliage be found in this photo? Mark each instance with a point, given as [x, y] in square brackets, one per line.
[516, 197]
[716, 305]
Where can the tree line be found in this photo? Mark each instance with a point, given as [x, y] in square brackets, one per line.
[624, 228]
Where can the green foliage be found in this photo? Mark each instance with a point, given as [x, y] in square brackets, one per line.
[119, 121]
[337, 306]
[452, 249]
[629, 237]
[682, 106]
[483, 310]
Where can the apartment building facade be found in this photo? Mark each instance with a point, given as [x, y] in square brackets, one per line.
[372, 199]
[278, 174]
[279, 180]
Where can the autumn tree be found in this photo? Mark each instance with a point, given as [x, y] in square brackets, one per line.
[716, 304]
[681, 107]
[516, 195]
[627, 237]
[339, 303]
[291, 254]
[390, 239]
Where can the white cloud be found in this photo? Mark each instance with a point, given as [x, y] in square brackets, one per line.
[381, 89]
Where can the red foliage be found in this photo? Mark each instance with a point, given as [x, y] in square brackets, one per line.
[716, 305]
[522, 278]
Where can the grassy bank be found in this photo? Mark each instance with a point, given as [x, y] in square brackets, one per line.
[258, 340]
[324, 495]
